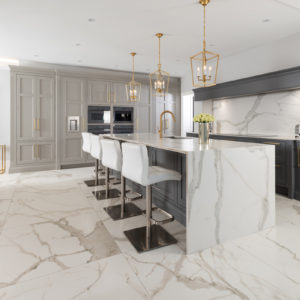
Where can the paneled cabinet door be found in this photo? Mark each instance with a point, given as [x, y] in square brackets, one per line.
[118, 95]
[45, 152]
[26, 107]
[98, 92]
[26, 153]
[145, 95]
[143, 119]
[74, 104]
[45, 108]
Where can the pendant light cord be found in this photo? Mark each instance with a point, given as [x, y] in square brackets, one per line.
[204, 27]
[132, 67]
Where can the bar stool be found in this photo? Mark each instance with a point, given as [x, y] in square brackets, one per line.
[136, 168]
[112, 160]
[87, 147]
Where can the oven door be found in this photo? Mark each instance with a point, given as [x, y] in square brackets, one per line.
[123, 114]
[98, 114]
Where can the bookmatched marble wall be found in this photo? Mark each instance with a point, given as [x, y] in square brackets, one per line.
[274, 113]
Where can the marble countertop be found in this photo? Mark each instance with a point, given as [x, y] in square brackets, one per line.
[262, 136]
[180, 145]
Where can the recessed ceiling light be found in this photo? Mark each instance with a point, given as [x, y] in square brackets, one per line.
[9, 61]
[36, 55]
[77, 45]
[211, 45]
[79, 61]
[266, 20]
[91, 19]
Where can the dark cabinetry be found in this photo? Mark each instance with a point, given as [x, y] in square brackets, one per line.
[297, 170]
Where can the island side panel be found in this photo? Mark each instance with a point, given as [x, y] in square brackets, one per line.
[230, 194]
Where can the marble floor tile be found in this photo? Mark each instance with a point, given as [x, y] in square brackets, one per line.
[38, 249]
[106, 279]
[57, 242]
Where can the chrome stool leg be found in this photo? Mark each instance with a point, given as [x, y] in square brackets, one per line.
[96, 181]
[107, 194]
[150, 236]
[123, 210]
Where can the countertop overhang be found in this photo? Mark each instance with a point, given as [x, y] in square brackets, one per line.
[181, 145]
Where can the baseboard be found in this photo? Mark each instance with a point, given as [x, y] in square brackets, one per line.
[32, 168]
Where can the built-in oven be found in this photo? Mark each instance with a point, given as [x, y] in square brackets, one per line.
[123, 129]
[123, 114]
[99, 114]
[99, 129]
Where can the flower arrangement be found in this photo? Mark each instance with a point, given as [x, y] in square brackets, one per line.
[203, 118]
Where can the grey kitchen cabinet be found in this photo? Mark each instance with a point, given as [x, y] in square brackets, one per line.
[74, 94]
[143, 122]
[118, 94]
[32, 121]
[297, 169]
[99, 92]
[43, 100]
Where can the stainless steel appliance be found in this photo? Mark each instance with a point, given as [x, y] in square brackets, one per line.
[297, 130]
[123, 114]
[99, 114]
[99, 129]
[123, 129]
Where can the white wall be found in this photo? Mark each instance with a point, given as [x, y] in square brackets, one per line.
[4, 107]
[274, 56]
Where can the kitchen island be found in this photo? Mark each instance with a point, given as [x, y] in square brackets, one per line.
[227, 188]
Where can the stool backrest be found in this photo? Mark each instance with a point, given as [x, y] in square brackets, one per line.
[96, 151]
[135, 163]
[86, 142]
[111, 154]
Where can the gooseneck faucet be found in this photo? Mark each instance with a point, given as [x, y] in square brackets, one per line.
[160, 131]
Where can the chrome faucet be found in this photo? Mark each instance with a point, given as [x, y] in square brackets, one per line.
[160, 131]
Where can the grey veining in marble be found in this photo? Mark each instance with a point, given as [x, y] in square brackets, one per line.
[274, 113]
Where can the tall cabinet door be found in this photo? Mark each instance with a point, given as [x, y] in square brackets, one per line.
[98, 92]
[45, 108]
[118, 94]
[26, 108]
[74, 99]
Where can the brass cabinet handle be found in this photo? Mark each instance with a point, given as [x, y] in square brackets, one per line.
[34, 124]
[37, 151]
[34, 150]
[38, 124]
[298, 157]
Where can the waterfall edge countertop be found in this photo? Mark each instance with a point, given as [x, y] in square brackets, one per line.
[229, 187]
[181, 145]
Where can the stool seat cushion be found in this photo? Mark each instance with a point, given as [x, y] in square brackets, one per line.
[96, 147]
[136, 166]
[159, 174]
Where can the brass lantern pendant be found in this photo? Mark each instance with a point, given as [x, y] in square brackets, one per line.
[159, 80]
[133, 88]
[205, 63]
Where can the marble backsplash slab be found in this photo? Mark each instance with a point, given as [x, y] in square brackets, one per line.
[274, 113]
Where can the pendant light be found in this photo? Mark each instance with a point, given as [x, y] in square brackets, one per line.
[159, 80]
[133, 88]
[205, 63]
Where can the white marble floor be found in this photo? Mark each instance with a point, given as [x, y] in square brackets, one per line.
[56, 242]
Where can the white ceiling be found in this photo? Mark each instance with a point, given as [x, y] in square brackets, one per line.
[48, 30]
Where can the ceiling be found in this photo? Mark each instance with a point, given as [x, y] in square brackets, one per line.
[58, 31]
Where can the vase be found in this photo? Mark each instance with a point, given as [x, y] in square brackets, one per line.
[204, 133]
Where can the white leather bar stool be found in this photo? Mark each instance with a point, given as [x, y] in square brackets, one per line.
[87, 147]
[96, 152]
[136, 168]
[112, 160]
